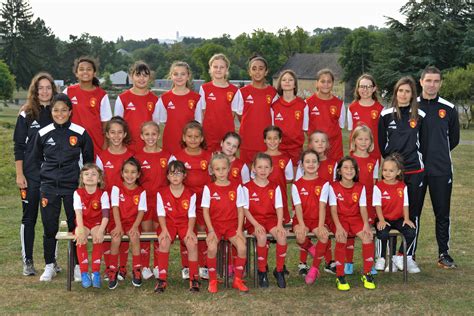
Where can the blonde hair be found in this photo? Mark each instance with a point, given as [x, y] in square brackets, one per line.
[325, 71]
[178, 63]
[357, 131]
[89, 166]
[217, 156]
[223, 57]
[316, 132]
[150, 123]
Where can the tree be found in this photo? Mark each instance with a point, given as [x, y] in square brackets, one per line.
[7, 83]
[201, 56]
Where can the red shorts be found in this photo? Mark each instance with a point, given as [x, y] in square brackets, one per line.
[247, 155]
[268, 224]
[225, 230]
[352, 225]
[126, 226]
[311, 224]
[175, 230]
[150, 214]
[90, 223]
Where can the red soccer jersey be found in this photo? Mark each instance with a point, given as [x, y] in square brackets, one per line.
[348, 200]
[292, 118]
[89, 110]
[111, 165]
[239, 171]
[255, 108]
[328, 116]
[129, 202]
[218, 105]
[223, 201]
[262, 202]
[136, 110]
[281, 173]
[392, 198]
[91, 204]
[368, 171]
[176, 111]
[366, 115]
[177, 210]
[308, 194]
[326, 169]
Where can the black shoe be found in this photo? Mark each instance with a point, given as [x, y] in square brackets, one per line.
[303, 269]
[263, 279]
[113, 281]
[285, 271]
[330, 267]
[137, 277]
[194, 285]
[280, 278]
[160, 286]
[445, 261]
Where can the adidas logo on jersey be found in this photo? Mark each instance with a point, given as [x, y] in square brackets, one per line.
[385, 195]
[315, 111]
[279, 117]
[356, 116]
[254, 197]
[171, 105]
[187, 165]
[303, 191]
[145, 165]
[74, 100]
[50, 142]
[168, 207]
[392, 125]
[215, 196]
[249, 99]
[340, 197]
[109, 165]
[121, 197]
[131, 107]
[211, 96]
[35, 125]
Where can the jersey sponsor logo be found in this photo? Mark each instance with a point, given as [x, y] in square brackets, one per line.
[23, 194]
[279, 117]
[317, 190]
[211, 96]
[50, 142]
[355, 197]
[315, 111]
[442, 113]
[254, 197]
[412, 123]
[35, 125]
[44, 202]
[340, 197]
[170, 105]
[235, 172]
[271, 194]
[333, 110]
[93, 102]
[185, 204]
[232, 195]
[74, 100]
[136, 199]
[109, 165]
[73, 140]
[356, 116]
[215, 196]
[249, 99]
[230, 96]
[374, 114]
[149, 106]
[370, 167]
[95, 204]
[268, 98]
[385, 195]
[203, 164]
[303, 192]
[145, 165]
[297, 115]
[281, 163]
[400, 192]
[163, 162]
[191, 104]
[130, 107]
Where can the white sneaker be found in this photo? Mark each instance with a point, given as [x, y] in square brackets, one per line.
[394, 267]
[48, 273]
[380, 264]
[156, 272]
[77, 273]
[412, 267]
[146, 273]
[398, 261]
[203, 273]
[185, 273]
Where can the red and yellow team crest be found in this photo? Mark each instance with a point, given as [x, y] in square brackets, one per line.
[232, 195]
[149, 106]
[203, 164]
[163, 162]
[93, 102]
[333, 110]
[73, 140]
[191, 104]
[44, 202]
[95, 205]
[297, 115]
[136, 199]
[317, 190]
[374, 114]
[330, 169]
[230, 96]
[268, 98]
[271, 193]
[412, 123]
[355, 197]
[442, 113]
[281, 163]
[370, 167]
[23, 193]
[235, 172]
[400, 192]
[185, 204]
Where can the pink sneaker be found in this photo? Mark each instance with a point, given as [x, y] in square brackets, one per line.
[312, 275]
[312, 251]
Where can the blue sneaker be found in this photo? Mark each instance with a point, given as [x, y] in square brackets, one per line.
[86, 280]
[96, 282]
[373, 271]
[348, 268]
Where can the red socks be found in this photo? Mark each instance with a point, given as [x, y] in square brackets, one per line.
[82, 256]
[145, 252]
[328, 255]
[163, 258]
[340, 258]
[97, 250]
[113, 262]
[202, 253]
[280, 256]
[320, 250]
[262, 255]
[350, 250]
[184, 254]
[123, 252]
[193, 270]
[368, 255]
[239, 265]
[106, 249]
[212, 266]
[136, 262]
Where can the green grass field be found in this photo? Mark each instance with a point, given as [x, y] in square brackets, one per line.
[433, 291]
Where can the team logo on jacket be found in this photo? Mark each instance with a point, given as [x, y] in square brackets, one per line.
[230, 96]
[442, 113]
[93, 102]
[370, 167]
[23, 194]
[203, 164]
[271, 193]
[149, 106]
[297, 115]
[400, 192]
[73, 140]
[95, 205]
[281, 163]
[163, 162]
[44, 202]
[191, 104]
[317, 190]
[136, 199]
[412, 123]
[235, 172]
[232, 195]
[355, 197]
[374, 114]
[330, 169]
[268, 98]
[333, 110]
[185, 204]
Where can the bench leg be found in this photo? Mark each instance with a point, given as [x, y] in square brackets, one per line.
[227, 260]
[255, 258]
[405, 270]
[70, 264]
[247, 263]
[390, 251]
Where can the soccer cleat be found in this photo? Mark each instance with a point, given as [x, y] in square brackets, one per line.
[86, 280]
[263, 279]
[330, 267]
[445, 261]
[156, 272]
[342, 284]
[122, 273]
[394, 267]
[203, 273]
[160, 286]
[312, 275]
[185, 273]
[303, 269]
[146, 273]
[312, 251]
[398, 261]
[96, 282]
[412, 266]
[137, 277]
[348, 268]
[194, 285]
[368, 280]
[48, 273]
[285, 271]
[212, 288]
[113, 279]
[77, 273]
[240, 285]
[280, 278]
[29, 268]
[57, 268]
[379, 264]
